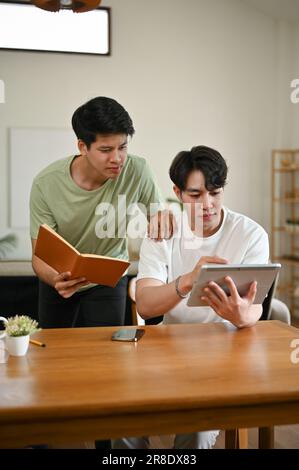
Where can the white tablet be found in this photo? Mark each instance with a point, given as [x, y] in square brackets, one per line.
[242, 275]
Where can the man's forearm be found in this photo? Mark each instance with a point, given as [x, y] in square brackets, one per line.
[43, 271]
[153, 301]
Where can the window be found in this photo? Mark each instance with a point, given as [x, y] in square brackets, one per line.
[26, 27]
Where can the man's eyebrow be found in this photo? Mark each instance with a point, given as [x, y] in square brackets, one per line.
[105, 147]
[193, 190]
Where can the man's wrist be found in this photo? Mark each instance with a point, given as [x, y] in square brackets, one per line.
[183, 285]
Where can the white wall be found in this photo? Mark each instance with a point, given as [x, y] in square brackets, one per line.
[285, 74]
[295, 120]
[189, 73]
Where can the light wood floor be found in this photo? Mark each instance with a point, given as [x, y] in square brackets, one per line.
[286, 437]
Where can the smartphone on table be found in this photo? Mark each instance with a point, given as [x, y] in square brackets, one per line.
[133, 334]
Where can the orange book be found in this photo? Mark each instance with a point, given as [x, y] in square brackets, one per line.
[62, 256]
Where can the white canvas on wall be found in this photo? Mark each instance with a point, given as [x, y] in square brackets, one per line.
[31, 150]
[33, 29]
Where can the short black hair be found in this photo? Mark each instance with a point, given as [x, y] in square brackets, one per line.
[204, 159]
[101, 115]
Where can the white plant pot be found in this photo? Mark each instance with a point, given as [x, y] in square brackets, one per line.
[17, 345]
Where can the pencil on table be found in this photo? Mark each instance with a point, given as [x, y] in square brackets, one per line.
[37, 343]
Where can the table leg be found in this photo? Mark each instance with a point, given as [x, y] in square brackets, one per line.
[231, 438]
[266, 438]
[242, 438]
[236, 438]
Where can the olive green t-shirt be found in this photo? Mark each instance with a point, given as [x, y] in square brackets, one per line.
[93, 221]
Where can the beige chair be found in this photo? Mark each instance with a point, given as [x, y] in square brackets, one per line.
[275, 309]
[279, 311]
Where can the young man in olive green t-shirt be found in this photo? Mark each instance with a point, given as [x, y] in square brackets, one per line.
[85, 198]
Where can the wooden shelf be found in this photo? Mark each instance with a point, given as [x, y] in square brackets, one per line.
[285, 184]
[286, 169]
[287, 289]
[286, 260]
[287, 200]
[286, 230]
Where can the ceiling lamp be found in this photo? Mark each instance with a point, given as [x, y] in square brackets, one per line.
[78, 6]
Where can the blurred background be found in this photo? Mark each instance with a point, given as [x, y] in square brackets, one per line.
[212, 72]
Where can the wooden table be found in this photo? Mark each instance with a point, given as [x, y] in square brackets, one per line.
[177, 378]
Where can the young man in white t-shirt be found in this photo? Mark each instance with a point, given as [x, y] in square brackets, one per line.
[207, 232]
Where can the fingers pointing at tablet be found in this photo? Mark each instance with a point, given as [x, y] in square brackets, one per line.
[205, 260]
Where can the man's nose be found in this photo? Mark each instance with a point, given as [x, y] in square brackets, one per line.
[206, 201]
[115, 156]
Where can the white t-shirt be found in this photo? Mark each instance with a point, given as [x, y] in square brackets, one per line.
[239, 239]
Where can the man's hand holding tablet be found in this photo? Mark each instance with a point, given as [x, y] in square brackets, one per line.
[232, 289]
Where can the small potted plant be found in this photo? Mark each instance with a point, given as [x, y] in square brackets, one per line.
[17, 332]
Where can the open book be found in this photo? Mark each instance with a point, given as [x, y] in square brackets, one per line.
[62, 256]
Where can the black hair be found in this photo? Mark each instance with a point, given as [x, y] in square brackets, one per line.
[101, 115]
[204, 159]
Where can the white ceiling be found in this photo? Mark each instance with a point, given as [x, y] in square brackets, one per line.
[279, 9]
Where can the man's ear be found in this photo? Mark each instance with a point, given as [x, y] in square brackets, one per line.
[177, 192]
[82, 147]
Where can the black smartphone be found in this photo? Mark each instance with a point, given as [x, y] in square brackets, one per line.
[128, 335]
